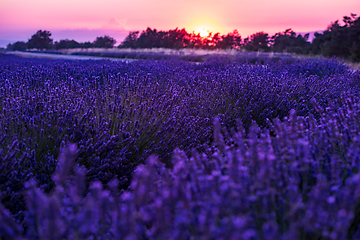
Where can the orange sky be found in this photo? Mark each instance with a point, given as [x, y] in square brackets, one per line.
[85, 19]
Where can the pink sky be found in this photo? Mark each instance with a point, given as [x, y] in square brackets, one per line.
[83, 20]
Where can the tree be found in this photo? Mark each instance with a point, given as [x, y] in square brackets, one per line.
[104, 42]
[18, 46]
[289, 42]
[231, 40]
[257, 42]
[281, 41]
[340, 40]
[149, 38]
[237, 39]
[176, 38]
[196, 41]
[130, 40]
[66, 44]
[40, 40]
[86, 45]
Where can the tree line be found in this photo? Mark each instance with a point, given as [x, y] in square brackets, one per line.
[337, 40]
[41, 40]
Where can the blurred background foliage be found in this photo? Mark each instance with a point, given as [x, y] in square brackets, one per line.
[342, 41]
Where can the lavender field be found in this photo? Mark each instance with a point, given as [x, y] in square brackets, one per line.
[171, 149]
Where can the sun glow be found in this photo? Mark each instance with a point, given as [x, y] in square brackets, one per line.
[204, 32]
[203, 24]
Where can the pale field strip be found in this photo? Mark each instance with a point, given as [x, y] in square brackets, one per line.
[167, 51]
[61, 56]
[67, 54]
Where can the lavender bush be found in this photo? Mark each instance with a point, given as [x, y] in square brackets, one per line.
[296, 185]
[275, 176]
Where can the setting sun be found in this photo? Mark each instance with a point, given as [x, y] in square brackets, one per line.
[204, 32]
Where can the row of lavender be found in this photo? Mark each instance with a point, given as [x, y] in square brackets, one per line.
[120, 113]
[301, 184]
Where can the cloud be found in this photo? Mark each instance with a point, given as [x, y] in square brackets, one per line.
[115, 24]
